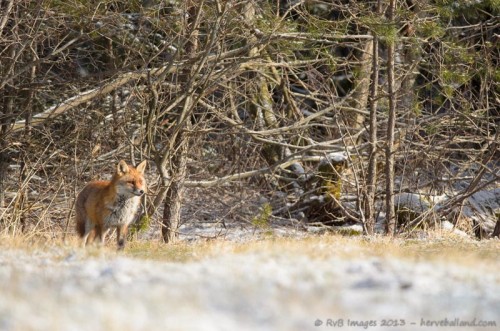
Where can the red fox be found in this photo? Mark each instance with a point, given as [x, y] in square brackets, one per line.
[102, 205]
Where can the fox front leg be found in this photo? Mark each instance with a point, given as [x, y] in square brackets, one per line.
[121, 236]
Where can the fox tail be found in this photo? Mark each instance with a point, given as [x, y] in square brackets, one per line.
[80, 219]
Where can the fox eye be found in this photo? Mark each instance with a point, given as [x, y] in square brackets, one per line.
[131, 182]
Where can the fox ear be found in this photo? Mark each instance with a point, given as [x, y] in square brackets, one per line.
[121, 168]
[141, 167]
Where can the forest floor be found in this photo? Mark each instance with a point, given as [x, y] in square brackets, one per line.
[307, 282]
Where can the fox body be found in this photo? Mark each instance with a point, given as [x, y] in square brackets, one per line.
[103, 205]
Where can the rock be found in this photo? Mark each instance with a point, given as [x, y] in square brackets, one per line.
[483, 210]
[409, 207]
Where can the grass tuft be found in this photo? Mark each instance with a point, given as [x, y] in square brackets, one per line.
[451, 249]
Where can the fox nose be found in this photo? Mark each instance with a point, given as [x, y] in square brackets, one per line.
[138, 192]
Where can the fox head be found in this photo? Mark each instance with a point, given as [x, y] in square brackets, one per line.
[129, 181]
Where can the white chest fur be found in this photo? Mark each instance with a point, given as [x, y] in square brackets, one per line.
[122, 211]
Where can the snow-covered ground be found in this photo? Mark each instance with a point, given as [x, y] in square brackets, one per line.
[279, 289]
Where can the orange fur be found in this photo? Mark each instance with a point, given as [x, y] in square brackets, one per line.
[103, 205]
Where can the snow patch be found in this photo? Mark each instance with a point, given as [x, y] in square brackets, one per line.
[251, 291]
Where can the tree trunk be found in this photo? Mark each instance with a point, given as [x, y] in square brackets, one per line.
[361, 92]
[179, 149]
[371, 178]
[389, 149]
[4, 164]
[496, 231]
[4, 157]
[175, 192]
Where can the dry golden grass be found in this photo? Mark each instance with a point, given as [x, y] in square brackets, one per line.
[448, 248]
